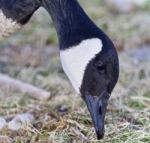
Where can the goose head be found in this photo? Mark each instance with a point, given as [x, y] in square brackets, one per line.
[100, 77]
[93, 69]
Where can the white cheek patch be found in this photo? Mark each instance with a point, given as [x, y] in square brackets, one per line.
[75, 59]
[7, 26]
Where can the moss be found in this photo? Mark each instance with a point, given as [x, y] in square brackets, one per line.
[147, 94]
[136, 105]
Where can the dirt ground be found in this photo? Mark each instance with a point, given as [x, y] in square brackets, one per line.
[32, 56]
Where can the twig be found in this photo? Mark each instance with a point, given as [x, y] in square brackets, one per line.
[13, 85]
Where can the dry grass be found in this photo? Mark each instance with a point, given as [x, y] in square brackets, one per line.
[64, 118]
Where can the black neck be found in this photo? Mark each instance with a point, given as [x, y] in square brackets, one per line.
[71, 22]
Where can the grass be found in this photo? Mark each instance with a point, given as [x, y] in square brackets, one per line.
[64, 118]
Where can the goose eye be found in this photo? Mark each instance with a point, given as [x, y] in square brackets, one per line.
[100, 67]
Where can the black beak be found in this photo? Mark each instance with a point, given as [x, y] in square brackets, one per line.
[97, 108]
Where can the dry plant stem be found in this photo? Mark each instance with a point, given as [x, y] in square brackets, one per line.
[5, 139]
[12, 85]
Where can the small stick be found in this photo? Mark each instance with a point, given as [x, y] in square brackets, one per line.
[13, 85]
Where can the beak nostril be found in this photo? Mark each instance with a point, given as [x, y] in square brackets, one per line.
[100, 110]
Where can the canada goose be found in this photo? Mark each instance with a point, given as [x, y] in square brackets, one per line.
[88, 57]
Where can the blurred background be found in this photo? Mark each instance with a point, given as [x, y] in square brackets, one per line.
[32, 55]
